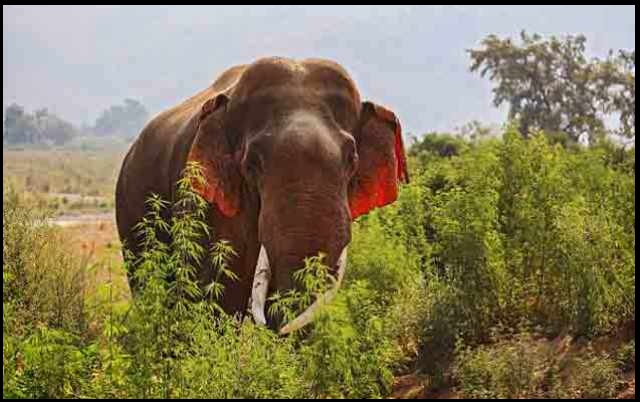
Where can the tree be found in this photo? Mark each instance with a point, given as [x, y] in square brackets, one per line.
[13, 115]
[476, 131]
[616, 77]
[120, 120]
[550, 84]
[54, 129]
[19, 127]
[439, 144]
[39, 127]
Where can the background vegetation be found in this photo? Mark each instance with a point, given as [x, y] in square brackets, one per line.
[45, 129]
[65, 180]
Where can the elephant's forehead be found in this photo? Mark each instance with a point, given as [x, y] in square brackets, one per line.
[326, 69]
[274, 72]
[273, 69]
[329, 77]
[291, 65]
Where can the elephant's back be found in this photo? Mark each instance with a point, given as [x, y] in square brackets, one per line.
[173, 119]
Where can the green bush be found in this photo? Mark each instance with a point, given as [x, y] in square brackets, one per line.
[565, 239]
[349, 352]
[498, 233]
[55, 365]
[596, 377]
[173, 340]
[626, 356]
[516, 230]
[510, 369]
[438, 145]
[524, 366]
[47, 284]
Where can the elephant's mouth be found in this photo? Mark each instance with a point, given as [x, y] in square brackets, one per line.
[261, 286]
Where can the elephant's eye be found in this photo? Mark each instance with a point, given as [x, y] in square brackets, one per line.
[350, 157]
[253, 164]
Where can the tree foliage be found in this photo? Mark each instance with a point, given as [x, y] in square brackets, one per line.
[552, 85]
[44, 127]
[37, 128]
[122, 120]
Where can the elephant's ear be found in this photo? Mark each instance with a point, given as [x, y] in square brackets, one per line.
[219, 163]
[382, 163]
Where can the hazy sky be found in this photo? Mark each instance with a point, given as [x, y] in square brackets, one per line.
[79, 60]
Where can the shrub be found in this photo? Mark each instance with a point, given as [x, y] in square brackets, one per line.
[55, 365]
[595, 377]
[349, 352]
[626, 356]
[47, 283]
[509, 369]
[524, 366]
[495, 234]
[503, 228]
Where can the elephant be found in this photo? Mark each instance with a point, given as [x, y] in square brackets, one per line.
[291, 156]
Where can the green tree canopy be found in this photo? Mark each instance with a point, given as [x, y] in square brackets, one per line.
[551, 85]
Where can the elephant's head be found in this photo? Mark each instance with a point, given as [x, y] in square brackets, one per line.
[293, 141]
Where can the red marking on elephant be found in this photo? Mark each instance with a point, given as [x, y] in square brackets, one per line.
[382, 191]
[213, 189]
[388, 115]
[380, 188]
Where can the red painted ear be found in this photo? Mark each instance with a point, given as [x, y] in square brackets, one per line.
[382, 163]
[220, 166]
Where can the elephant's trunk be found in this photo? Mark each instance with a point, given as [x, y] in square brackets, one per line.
[261, 285]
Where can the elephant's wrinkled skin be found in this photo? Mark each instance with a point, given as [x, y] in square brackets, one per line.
[291, 156]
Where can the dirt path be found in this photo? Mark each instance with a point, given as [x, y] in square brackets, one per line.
[74, 197]
[74, 219]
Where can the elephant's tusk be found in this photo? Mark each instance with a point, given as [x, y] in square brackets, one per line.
[307, 316]
[260, 287]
